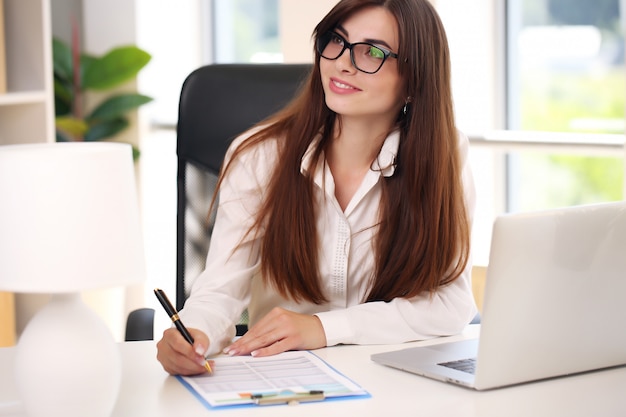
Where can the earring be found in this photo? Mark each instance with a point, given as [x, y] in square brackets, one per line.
[406, 105]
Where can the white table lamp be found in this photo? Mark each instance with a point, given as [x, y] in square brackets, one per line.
[69, 222]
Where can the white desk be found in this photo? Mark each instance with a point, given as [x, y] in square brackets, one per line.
[148, 391]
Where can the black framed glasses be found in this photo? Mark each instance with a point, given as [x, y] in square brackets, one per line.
[365, 56]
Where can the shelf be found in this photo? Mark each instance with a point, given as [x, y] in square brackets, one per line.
[27, 106]
[30, 97]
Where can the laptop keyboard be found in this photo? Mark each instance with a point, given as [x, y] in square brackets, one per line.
[464, 365]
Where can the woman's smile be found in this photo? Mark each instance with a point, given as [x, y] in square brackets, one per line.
[341, 87]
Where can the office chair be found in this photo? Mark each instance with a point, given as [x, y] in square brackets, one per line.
[217, 103]
[139, 325]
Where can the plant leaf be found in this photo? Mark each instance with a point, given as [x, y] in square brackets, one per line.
[62, 60]
[62, 98]
[62, 137]
[62, 90]
[72, 126]
[61, 108]
[85, 62]
[115, 67]
[118, 106]
[106, 129]
[136, 153]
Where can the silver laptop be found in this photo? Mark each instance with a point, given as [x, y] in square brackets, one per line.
[555, 302]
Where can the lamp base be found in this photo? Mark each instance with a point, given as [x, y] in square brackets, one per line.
[67, 363]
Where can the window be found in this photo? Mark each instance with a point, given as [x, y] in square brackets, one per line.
[565, 61]
[246, 31]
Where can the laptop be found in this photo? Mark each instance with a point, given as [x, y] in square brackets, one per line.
[555, 303]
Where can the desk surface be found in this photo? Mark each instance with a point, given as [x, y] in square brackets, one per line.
[148, 391]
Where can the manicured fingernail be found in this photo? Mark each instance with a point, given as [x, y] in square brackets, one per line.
[254, 353]
[200, 350]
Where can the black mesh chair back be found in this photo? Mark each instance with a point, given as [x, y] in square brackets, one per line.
[217, 103]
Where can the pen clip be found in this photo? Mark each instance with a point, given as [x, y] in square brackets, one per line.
[290, 398]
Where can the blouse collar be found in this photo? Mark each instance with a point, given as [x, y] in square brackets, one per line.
[385, 163]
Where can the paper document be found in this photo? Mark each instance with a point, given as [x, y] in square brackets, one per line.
[238, 380]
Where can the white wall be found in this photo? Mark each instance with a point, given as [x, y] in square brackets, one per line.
[297, 21]
[172, 32]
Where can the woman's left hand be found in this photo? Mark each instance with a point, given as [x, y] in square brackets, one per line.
[279, 331]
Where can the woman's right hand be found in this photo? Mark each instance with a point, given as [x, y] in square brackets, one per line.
[178, 357]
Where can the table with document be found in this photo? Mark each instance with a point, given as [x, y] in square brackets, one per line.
[147, 390]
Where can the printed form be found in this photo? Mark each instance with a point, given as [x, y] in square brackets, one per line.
[298, 376]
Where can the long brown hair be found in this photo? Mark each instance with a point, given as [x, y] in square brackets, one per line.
[422, 239]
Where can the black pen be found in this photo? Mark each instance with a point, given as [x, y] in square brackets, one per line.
[171, 311]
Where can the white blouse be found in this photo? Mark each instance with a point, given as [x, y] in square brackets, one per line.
[231, 281]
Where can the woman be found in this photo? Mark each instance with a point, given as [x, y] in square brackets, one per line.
[346, 217]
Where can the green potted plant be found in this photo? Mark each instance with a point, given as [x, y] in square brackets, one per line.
[75, 73]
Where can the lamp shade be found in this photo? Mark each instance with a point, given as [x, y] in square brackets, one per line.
[69, 217]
